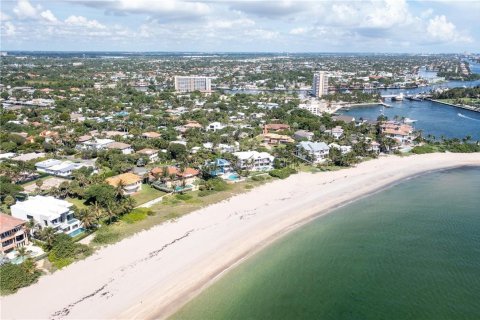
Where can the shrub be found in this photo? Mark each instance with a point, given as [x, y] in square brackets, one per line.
[183, 197]
[106, 235]
[15, 276]
[135, 215]
[248, 186]
[258, 178]
[282, 173]
[204, 193]
[423, 149]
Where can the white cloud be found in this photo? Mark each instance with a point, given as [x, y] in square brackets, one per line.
[4, 17]
[8, 29]
[440, 29]
[232, 23]
[80, 21]
[49, 16]
[25, 10]
[297, 31]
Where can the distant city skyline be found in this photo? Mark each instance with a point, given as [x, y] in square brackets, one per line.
[387, 26]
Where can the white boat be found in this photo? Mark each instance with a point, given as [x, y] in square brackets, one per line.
[398, 97]
[408, 120]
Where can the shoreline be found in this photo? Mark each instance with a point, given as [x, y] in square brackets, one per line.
[155, 272]
[463, 106]
[197, 290]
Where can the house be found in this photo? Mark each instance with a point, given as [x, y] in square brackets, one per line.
[303, 135]
[315, 152]
[47, 212]
[125, 148]
[130, 182]
[58, 167]
[215, 126]
[343, 149]
[398, 131]
[49, 135]
[111, 134]
[275, 127]
[151, 154]
[151, 135]
[94, 144]
[374, 147]
[173, 176]
[275, 139]
[336, 132]
[254, 160]
[13, 233]
[221, 166]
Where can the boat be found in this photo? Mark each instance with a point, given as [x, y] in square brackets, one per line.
[408, 120]
[398, 97]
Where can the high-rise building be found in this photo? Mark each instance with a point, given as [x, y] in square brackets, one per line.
[320, 84]
[193, 83]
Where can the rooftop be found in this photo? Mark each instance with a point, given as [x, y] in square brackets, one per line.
[7, 222]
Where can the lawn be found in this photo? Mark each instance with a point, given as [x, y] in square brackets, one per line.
[77, 202]
[146, 194]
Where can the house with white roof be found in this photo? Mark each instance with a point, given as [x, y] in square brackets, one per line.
[343, 149]
[58, 167]
[314, 152]
[47, 212]
[254, 160]
[95, 144]
[336, 132]
[214, 126]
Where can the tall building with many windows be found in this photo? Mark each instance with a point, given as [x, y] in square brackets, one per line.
[192, 83]
[320, 84]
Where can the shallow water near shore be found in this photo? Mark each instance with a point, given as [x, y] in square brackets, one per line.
[409, 252]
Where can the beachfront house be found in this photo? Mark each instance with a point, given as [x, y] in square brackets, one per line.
[221, 167]
[171, 177]
[130, 182]
[402, 133]
[314, 152]
[47, 211]
[254, 160]
[343, 149]
[13, 233]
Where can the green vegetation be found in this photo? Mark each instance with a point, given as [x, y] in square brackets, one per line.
[16, 276]
[136, 215]
[147, 193]
[64, 251]
[282, 173]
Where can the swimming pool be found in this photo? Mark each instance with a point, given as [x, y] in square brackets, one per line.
[233, 177]
[76, 232]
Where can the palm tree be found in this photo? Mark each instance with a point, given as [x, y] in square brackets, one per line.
[48, 235]
[97, 211]
[29, 228]
[119, 188]
[88, 218]
[110, 212]
[22, 252]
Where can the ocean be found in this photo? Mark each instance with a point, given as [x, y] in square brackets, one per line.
[411, 251]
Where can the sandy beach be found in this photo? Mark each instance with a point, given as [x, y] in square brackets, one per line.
[155, 272]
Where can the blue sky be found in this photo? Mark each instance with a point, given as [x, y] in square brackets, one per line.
[248, 25]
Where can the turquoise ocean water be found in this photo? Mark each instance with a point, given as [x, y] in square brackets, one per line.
[409, 252]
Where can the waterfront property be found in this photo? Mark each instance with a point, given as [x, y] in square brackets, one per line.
[173, 176]
[13, 233]
[47, 212]
[402, 133]
[193, 83]
[254, 160]
[336, 132]
[320, 84]
[129, 182]
[314, 152]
